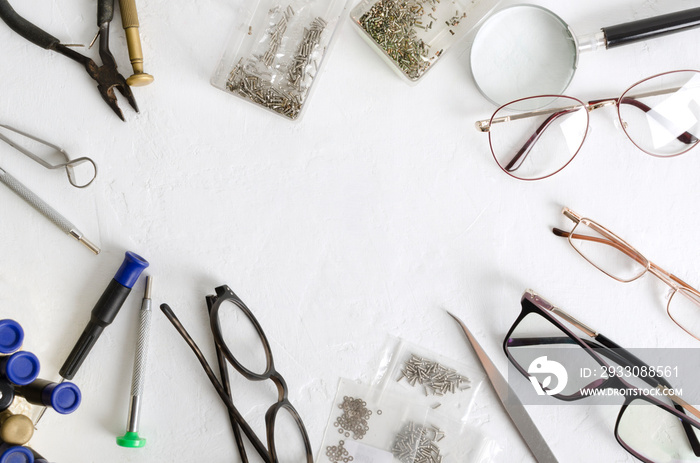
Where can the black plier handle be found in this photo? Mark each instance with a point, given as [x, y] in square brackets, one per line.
[106, 76]
[26, 29]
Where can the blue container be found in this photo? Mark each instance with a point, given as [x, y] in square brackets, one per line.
[62, 397]
[21, 368]
[11, 336]
[15, 454]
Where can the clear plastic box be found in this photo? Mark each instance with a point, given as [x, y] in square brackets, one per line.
[276, 56]
[412, 34]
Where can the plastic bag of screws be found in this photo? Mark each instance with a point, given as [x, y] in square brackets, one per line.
[275, 57]
[368, 425]
[442, 384]
[412, 34]
[363, 424]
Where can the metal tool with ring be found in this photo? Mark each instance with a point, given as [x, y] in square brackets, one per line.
[88, 168]
[106, 76]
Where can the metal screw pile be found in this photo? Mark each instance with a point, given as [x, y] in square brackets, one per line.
[276, 37]
[338, 453]
[254, 77]
[262, 92]
[418, 444]
[312, 37]
[354, 417]
[391, 23]
[435, 378]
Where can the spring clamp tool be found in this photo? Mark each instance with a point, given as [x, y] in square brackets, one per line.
[106, 76]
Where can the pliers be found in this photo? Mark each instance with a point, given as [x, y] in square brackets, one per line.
[106, 76]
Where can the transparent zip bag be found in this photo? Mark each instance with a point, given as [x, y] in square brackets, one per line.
[367, 425]
[440, 383]
[274, 57]
[411, 35]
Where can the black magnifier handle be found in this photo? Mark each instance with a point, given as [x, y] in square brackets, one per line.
[648, 28]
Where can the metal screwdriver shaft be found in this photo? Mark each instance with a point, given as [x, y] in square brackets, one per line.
[47, 211]
[131, 438]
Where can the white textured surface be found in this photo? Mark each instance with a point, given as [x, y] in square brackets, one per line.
[374, 214]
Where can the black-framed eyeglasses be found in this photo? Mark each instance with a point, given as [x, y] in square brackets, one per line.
[652, 427]
[226, 309]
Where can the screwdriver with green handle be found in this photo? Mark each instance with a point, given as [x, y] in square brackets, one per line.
[131, 438]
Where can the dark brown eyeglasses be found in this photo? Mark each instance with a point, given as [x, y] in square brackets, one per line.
[225, 306]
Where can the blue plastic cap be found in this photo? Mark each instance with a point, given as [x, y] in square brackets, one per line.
[62, 397]
[130, 270]
[16, 454]
[21, 368]
[11, 336]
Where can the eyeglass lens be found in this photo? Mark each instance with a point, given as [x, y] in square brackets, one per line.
[684, 309]
[535, 344]
[242, 338]
[607, 253]
[654, 434]
[288, 440]
[661, 115]
[535, 144]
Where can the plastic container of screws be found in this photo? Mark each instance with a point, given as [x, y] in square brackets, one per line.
[411, 35]
[275, 56]
[444, 385]
[368, 425]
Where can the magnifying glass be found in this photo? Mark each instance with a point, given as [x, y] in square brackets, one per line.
[526, 50]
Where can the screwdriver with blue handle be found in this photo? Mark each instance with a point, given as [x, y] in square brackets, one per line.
[104, 312]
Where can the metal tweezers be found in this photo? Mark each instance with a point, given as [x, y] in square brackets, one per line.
[106, 76]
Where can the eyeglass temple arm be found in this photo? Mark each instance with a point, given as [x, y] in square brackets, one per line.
[653, 268]
[484, 125]
[520, 156]
[667, 277]
[226, 383]
[625, 358]
[262, 451]
[577, 236]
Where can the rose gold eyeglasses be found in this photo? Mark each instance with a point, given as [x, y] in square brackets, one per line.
[534, 138]
[617, 259]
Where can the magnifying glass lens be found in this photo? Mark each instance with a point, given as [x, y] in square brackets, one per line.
[522, 51]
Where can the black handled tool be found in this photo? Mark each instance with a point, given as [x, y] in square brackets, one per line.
[106, 76]
[104, 311]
